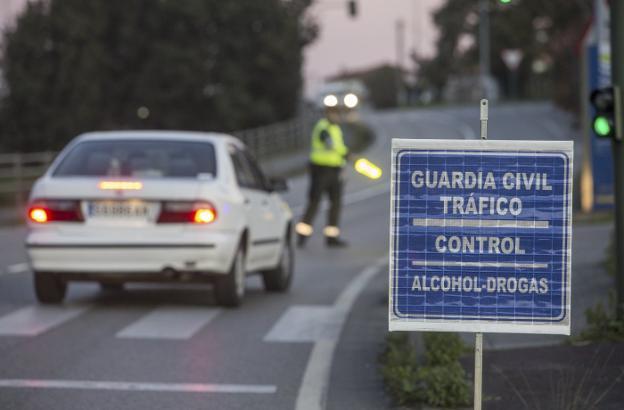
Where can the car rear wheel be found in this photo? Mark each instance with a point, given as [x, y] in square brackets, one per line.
[230, 289]
[280, 278]
[49, 288]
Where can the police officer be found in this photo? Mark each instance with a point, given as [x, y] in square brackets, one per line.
[327, 158]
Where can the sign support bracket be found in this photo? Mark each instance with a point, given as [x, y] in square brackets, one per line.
[478, 369]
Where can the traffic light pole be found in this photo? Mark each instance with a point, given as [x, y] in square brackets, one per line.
[617, 70]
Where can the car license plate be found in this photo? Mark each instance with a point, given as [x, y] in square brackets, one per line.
[119, 209]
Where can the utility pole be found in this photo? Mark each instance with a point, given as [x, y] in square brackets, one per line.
[617, 72]
[400, 52]
[484, 45]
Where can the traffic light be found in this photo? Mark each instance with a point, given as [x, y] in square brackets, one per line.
[352, 8]
[603, 101]
[504, 1]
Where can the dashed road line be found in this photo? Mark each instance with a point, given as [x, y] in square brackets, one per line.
[35, 320]
[170, 322]
[139, 387]
[305, 324]
[15, 269]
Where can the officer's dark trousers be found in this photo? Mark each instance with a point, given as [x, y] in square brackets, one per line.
[324, 180]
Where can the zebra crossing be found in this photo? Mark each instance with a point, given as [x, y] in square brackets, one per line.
[168, 322]
[35, 320]
[162, 322]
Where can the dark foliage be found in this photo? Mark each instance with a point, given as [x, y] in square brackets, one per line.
[75, 65]
[548, 31]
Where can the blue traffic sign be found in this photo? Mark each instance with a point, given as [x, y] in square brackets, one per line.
[481, 236]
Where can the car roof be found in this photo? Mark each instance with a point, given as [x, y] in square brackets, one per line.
[192, 136]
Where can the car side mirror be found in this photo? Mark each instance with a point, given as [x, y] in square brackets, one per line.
[277, 184]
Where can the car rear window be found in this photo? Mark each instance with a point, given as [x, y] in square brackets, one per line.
[144, 158]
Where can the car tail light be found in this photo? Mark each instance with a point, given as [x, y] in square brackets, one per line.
[39, 215]
[44, 211]
[187, 212]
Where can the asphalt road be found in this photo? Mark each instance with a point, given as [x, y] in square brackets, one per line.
[164, 347]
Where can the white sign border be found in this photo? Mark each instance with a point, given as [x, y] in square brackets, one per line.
[475, 325]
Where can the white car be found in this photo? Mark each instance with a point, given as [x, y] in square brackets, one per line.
[138, 206]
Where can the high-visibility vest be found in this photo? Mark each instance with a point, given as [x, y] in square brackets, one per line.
[328, 155]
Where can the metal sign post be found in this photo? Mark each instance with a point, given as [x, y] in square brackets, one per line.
[478, 370]
[480, 237]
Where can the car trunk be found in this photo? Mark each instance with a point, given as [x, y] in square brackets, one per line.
[122, 209]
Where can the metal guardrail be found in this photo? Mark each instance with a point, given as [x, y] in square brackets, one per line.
[280, 138]
[18, 171]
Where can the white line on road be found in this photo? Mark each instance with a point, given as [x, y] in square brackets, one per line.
[170, 322]
[15, 269]
[305, 324]
[34, 320]
[313, 389]
[480, 223]
[516, 265]
[133, 386]
[18, 268]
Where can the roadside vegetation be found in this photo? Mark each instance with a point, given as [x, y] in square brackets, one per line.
[71, 66]
[603, 324]
[437, 379]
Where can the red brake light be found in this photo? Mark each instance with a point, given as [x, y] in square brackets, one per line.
[187, 212]
[44, 211]
[38, 215]
[204, 216]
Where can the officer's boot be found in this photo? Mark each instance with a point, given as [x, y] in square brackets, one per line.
[304, 231]
[332, 237]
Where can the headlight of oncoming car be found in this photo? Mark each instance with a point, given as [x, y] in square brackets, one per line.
[351, 100]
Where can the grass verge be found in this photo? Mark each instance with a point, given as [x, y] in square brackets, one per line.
[602, 322]
[438, 381]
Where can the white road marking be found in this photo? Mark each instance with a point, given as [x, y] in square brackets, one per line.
[170, 322]
[34, 320]
[516, 265]
[18, 268]
[305, 324]
[134, 386]
[480, 223]
[313, 390]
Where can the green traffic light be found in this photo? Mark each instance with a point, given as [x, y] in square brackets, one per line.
[504, 1]
[602, 126]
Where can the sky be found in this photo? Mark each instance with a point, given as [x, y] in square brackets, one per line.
[346, 43]
[369, 39]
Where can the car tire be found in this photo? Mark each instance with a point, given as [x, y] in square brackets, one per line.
[230, 289]
[111, 287]
[280, 278]
[49, 289]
